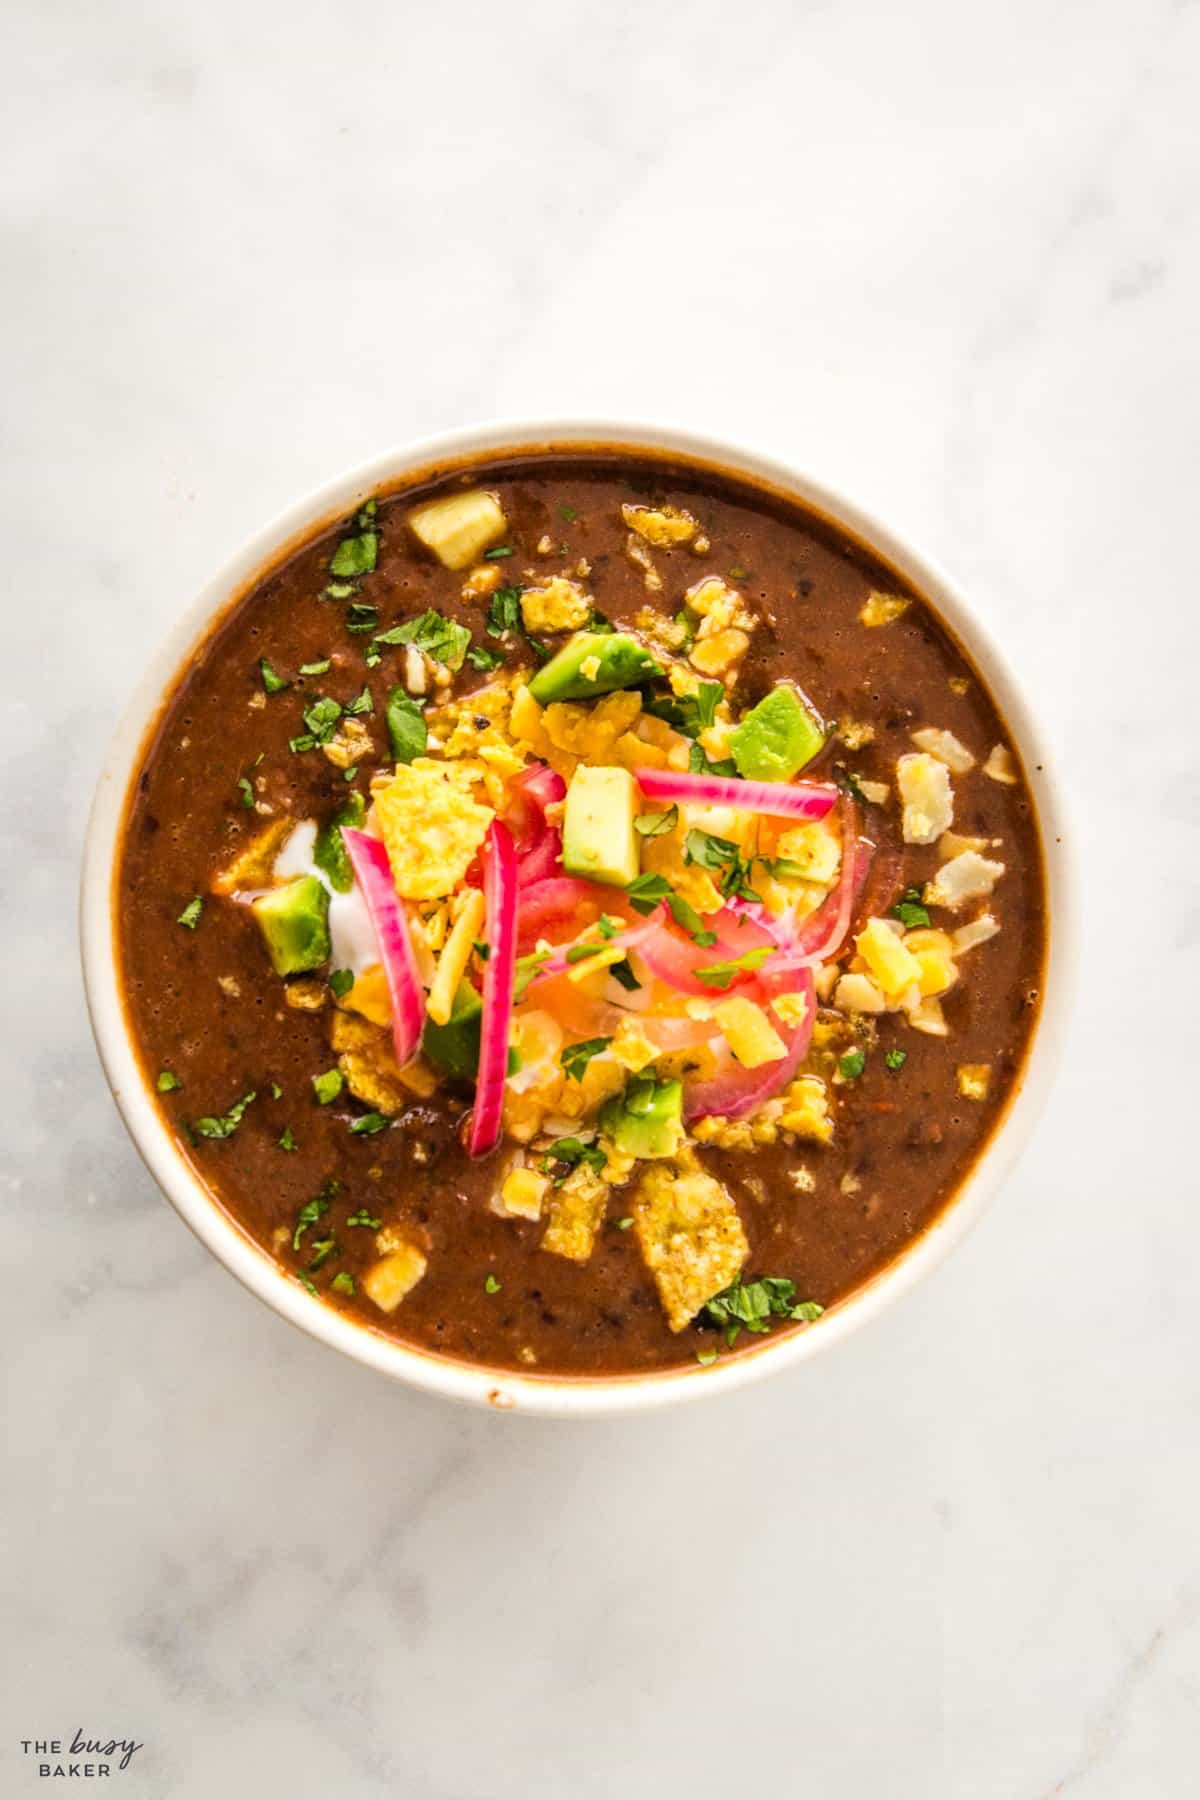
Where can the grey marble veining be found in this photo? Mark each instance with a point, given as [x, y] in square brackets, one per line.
[945, 256]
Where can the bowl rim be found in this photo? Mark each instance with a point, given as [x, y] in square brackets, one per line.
[503, 1390]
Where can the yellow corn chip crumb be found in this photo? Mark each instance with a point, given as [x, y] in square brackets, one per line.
[690, 1236]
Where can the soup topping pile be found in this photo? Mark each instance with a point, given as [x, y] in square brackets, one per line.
[605, 915]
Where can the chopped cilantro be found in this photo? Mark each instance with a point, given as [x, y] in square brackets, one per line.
[361, 617]
[576, 1057]
[909, 910]
[276, 1091]
[226, 1124]
[167, 1081]
[316, 668]
[406, 726]
[504, 612]
[246, 791]
[623, 1224]
[896, 1059]
[651, 825]
[701, 764]
[568, 514]
[722, 857]
[355, 555]
[339, 590]
[190, 916]
[751, 1305]
[322, 1249]
[479, 658]
[343, 1282]
[367, 1124]
[272, 683]
[851, 1066]
[706, 1358]
[648, 891]
[441, 638]
[328, 1086]
[340, 982]
[363, 1217]
[329, 848]
[608, 928]
[363, 703]
[350, 773]
[308, 1286]
[322, 719]
[721, 974]
[286, 1140]
[686, 621]
[491, 1285]
[689, 713]
[315, 1209]
[567, 1153]
[498, 554]
[526, 968]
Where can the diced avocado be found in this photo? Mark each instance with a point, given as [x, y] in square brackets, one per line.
[329, 852]
[777, 737]
[295, 923]
[595, 662]
[459, 527]
[647, 1119]
[599, 841]
[454, 1047]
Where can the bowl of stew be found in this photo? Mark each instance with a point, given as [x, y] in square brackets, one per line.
[575, 917]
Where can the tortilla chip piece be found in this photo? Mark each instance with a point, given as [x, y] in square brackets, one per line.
[252, 869]
[576, 1210]
[432, 829]
[367, 1060]
[690, 1235]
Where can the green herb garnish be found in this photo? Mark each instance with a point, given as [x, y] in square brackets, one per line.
[328, 1086]
[316, 668]
[479, 658]
[910, 911]
[699, 763]
[576, 1057]
[322, 719]
[363, 1217]
[362, 703]
[406, 727]
[322, 1249]
[851, 1066]
[343, 1282]
[168, 1081]
[246, 791]
[315, 1209]
[340, 982]
[355, 556]
[286, 1140]
[722, 974]
[441, 638]
[722, 857]
[190, 916]
[567, 1154]
[272, 683]
[329, 849]
[367, 1124]
[491, 1285]
[751, 1305]
[308, 1286]
[896, 1059]
[361, 617]
[225, 1124]
[504, 612]
[652, 825]
[498, 554]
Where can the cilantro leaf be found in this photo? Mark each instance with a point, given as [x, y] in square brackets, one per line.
[343, 1282]
[504, 612]
[576, 1057]
[851, 1066]
[491, 1285]
[406, 726]
[314, 1209]
[322, 1249]
[355, 555]
[363, 1217]
[224, 1125]
[363, 703]
[340, 982]
[896, 1059]
[317, 668]
[443, 639]
[722, 974]
[689, 713]
[651, 825]
[272, 683]
[367, 1124]
[361, 617]
[479, 658]
[286, 1140]
[328, 1086]
[190, 916]
[751, 1305]
[910, 911]
[568, 1153]
[699, 763]
[167, 1081]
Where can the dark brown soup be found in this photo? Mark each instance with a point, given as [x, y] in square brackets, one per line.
[582, 913]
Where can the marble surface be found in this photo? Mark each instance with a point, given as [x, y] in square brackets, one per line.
[948, 257]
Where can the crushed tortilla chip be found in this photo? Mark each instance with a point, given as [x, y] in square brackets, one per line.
[253, 868]
[690, 1236]
[432, 828]
[576, 1210]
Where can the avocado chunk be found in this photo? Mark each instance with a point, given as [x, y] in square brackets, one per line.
[647, 1119]
[777, 737]
[619, 662]
[294, 920]
[454, 1047]
[329, 851]
[599, 841]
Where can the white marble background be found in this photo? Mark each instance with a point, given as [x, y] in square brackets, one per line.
[947, 255]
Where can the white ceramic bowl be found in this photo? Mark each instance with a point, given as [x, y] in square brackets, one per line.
[574, 1397]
